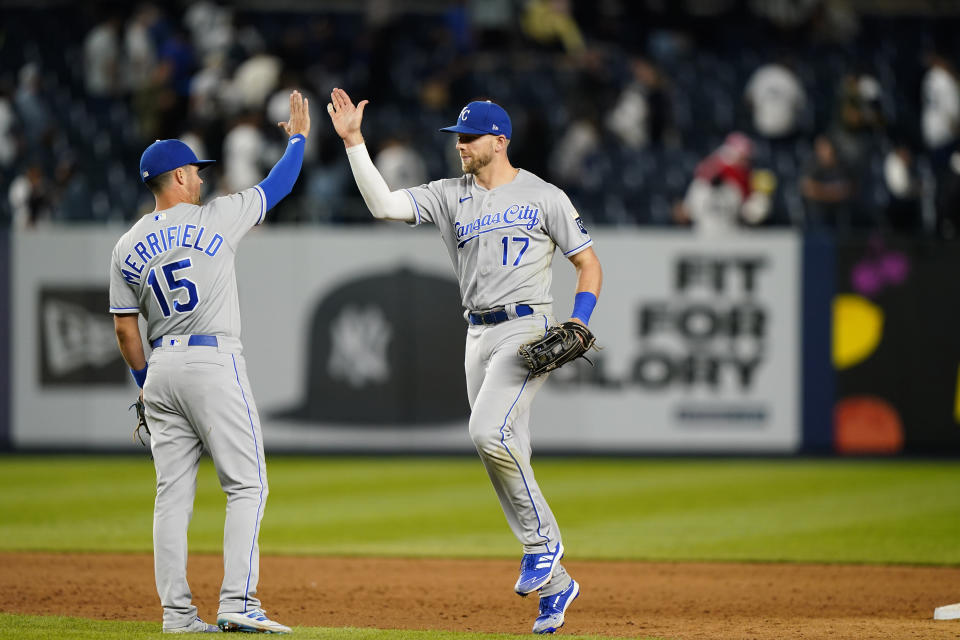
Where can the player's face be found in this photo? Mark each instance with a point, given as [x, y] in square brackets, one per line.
[476, 152]
[194, 184]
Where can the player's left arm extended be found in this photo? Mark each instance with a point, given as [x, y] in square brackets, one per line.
[589, 282]
[279, 182]
[127, 328]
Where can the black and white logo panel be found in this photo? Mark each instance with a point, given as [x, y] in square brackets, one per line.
[77, 343]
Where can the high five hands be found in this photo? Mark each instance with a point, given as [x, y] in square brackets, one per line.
[299, 121]
[346, 117]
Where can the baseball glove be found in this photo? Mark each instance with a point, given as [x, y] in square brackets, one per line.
[141, 421]
[558, 346]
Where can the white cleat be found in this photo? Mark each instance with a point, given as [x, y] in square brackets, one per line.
[255, 621]
[197, 626]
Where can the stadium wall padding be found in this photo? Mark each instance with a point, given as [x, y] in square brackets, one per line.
[354, 342]
[818, 381]
[5, 339]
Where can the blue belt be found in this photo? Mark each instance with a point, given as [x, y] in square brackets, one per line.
[192, 341]
[499, 315]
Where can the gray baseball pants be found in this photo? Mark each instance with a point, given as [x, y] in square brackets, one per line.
[200, 397]
[501, 391]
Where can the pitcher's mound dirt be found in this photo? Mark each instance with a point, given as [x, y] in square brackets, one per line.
[623, 599]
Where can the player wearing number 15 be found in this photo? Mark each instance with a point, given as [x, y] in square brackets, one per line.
[175, 266]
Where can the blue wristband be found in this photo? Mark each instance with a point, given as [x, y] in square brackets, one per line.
[583, 304]
[279, 182]
[140, 376]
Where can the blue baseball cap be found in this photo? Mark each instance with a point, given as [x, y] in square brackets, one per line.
[167, 155]
[482, 117]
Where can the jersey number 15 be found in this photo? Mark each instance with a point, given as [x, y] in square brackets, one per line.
[174, 284]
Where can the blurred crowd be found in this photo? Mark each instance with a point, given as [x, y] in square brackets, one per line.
[717, 115]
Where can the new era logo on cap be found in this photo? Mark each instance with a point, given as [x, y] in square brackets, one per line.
[482, 117]
[167, 155]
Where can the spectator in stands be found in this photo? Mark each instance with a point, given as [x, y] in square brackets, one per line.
[211, 27]
[8, 129]
[940, 120]
[171, 83]
[640, 114]
[255, 79]
[456, 22]
[828, 189]
[72, 191]
[31, 107]
[904, 212]
[328, 187]
[209, 90]
[859, 121]
[101, 60]
[948, 200]
[940, 124]
[243, 153]
[550, 23]
[776, 99]
[721, 197]
[569, 158]
[400, 164]
[177, 52]
[155, 105]
[140, 52]
[30, 197]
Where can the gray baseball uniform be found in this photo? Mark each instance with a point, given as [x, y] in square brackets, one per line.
[176, 267]
[501, 242]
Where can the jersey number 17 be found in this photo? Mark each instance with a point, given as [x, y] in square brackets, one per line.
[524, 242]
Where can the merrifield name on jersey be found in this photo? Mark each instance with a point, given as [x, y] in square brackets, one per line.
[188, 236]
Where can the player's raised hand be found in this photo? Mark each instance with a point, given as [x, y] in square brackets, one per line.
[346, 117]
[299, 116]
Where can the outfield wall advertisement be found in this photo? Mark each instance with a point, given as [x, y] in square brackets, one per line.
[897, 348]
[354, 342]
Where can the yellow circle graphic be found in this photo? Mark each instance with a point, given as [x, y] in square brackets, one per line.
[857, 329]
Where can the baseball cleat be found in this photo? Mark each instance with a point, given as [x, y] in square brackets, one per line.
[553, 607]
[197, 626]
[255, 621]
[536, 569]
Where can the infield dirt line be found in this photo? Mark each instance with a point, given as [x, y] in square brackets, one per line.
[709, 601]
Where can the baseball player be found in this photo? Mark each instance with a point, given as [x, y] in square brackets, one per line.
[176, 267]
[500, 226]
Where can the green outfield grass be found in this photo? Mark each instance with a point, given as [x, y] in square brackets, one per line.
[861, 511]
[60, 628]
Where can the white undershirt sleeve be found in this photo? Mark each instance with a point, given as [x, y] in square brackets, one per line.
[383, 203]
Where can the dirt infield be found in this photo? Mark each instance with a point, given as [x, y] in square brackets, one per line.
[682, 600]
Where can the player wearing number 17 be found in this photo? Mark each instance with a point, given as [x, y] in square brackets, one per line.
[175, 267]
[501, 226]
